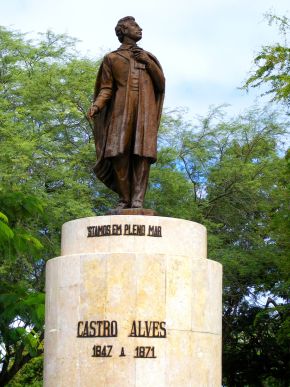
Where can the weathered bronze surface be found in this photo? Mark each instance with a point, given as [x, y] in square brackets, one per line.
[126, 111]
[133, 211]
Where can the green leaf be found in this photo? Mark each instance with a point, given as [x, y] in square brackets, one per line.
[5, 232]
[3, 217]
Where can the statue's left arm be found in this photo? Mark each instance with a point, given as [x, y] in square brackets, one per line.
[156, 74]
[152, 66]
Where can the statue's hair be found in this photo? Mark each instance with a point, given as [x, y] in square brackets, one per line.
[120, 25]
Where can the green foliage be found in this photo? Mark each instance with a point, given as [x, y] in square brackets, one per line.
[253, 342]
[30, 375]
[46, 179]
[21, 304]
[273, 65]
[233, 178]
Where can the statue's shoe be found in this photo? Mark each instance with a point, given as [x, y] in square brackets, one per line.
[122, 204]
[137, 204]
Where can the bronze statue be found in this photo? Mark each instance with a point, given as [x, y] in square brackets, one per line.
[126, 111]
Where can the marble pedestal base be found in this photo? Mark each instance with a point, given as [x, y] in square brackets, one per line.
[133, 301]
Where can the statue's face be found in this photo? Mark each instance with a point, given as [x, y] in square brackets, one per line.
[133, 30]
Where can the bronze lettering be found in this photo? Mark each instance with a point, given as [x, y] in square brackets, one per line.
[114, 328]
[139, 333]
[97, 329]
[80, 323]
[162, 329]
[133, 330]
[99, 324]
[99, 230]
[126, 230]
[140, 230]
[86, 329]
[92, 328]
[106, 328]
[90, 231]
[155, 231]
[154, 329]
[148, 327]
[129, 229]
[122, 354]
[159, 231]
[150, 230]
[117, 229]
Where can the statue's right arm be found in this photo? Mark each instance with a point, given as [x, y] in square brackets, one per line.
[106, 85]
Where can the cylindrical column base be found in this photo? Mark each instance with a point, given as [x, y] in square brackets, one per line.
[133, 318]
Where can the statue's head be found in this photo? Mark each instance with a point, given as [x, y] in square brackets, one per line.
[127, 26]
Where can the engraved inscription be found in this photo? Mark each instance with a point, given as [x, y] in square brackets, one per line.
[97, 329]
[144, 353]
[154, 231]
[102, 351]
[134, 229]
[105, 328]
[124, 229]
[122, 354]
[153, 329]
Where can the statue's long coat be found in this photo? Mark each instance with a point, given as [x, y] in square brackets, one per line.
[113, 131]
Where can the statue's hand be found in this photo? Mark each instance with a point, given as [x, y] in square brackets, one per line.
[92, 111]
[140, 55]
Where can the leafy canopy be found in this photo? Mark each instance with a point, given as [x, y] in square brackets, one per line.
[273, 65]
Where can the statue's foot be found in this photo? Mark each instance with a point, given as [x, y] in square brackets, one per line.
[122, 204]
[137, 204]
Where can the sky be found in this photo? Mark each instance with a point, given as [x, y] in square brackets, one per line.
[206, 47]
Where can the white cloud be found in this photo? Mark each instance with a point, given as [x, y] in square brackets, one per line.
[205, 44]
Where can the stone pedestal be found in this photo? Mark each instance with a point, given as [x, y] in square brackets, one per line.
[133, 301]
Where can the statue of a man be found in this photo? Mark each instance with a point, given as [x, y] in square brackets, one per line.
[127, 106]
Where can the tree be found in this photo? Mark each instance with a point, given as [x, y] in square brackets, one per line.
[45, 160]
[30, 375]
[273, 65]
[21, 298]
[235, 178]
